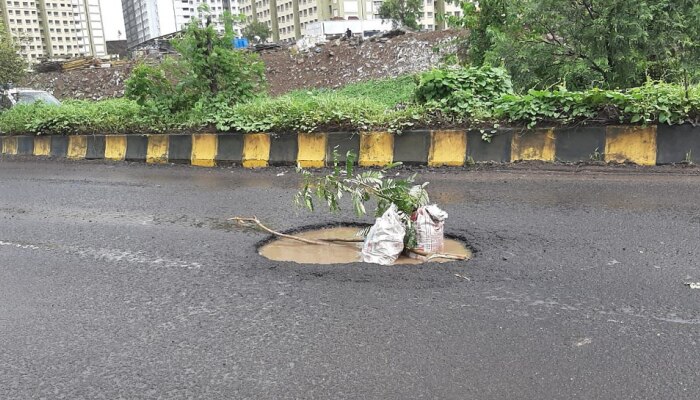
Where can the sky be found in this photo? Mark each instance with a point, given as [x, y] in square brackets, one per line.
[112, 19]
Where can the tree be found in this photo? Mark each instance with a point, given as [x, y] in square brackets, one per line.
[405, 13]
[256, 28]
[674, 47]
[584, 43]
[208, 71]
[483, 23]
[12, 66]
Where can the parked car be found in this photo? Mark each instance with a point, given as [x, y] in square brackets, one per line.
[11, 97]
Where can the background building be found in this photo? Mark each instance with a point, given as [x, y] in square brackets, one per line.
[147, 19]
[113, 19]
[431, 9]
[55, 29]
[289, 19]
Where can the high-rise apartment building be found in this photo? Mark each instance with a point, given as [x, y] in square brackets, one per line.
[147, 19]
[288, 19]
[55, 29]
[432, 9]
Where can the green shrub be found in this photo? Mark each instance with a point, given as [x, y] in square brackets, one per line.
[148, 83]
[314, 111]
[207, 70]
[81, 117]
[541, 105]
[654, 102]
[451, 86]
[300, 114]
[462, 94]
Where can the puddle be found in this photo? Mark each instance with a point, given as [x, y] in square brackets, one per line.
[337, 253]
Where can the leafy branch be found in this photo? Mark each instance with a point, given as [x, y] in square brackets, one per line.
[363, 187]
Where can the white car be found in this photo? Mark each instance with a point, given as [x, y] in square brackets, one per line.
[11, 97]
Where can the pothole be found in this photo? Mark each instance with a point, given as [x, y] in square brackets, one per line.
[284, 249]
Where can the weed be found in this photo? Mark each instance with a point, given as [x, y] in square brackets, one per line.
[688, 157]
[387, 92]
[486, 136]
[596, 155]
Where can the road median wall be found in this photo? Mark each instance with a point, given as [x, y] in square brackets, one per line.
[643, 145]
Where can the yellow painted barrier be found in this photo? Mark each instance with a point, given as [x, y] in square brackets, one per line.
[9, 145]
[447, 148]
[537, 144]
[635, 144]
[115, 147]
[312, 150]
[157, 150]
[204, 149]
[77, 147]
[376, 149]
[42, 146]
[256, 150]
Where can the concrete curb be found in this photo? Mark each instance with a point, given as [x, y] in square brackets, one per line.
[643, 145]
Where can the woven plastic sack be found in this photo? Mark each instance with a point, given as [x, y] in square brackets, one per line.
[429, 223]
[384, 242]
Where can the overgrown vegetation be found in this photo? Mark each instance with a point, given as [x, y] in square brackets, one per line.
[305, 114]
[653, 102]
[206, 74]
[118, 116]
[463, 93]
[585, 44]
[463, 97]
[527, 62]
[390, 93]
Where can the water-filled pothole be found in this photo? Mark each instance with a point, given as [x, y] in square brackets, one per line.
[283, 249]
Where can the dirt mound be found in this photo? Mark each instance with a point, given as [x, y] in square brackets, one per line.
[340, 62]
[331, 65]
[94, 84]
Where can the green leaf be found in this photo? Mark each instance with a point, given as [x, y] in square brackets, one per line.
[358, 205]
[349, 162]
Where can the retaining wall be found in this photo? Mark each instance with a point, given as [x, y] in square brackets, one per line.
[643, 145]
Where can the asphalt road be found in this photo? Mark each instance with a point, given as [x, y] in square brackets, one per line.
[125, 281]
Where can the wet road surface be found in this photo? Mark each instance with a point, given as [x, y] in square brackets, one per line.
[125, 281]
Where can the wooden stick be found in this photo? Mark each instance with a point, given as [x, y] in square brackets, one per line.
[351, 240]
[430, 256]
[263, 227]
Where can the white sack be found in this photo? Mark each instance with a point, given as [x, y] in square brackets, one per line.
[429, 223]
[384, 242]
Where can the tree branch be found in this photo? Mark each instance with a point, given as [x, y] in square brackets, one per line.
[256, 221]
[430, 256]
[589, 8]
